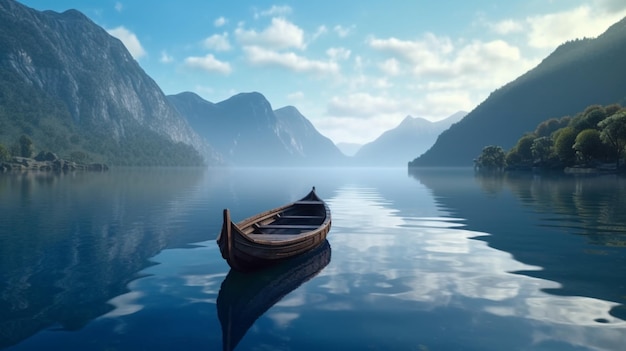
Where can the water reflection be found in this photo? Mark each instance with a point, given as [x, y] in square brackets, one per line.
[433, 265]
[435, 261]
[244, 297]
[585, 205]
[571, 227]
[69, 242]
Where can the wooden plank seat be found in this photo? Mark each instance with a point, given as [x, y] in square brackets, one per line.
[275, 237]
[300, 217]
[287, 226]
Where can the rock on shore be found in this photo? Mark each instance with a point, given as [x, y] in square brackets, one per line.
[49, 161]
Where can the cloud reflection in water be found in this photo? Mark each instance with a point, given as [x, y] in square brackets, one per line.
[432, 262]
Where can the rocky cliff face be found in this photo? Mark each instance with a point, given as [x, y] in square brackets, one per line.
[72, 60]
[304, 141]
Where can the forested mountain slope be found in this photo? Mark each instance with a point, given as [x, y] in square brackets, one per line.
[577, 74]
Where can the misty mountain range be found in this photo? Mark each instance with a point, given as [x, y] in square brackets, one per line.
[246, 131]
[241, 126]
[73, 88]
[397, 146]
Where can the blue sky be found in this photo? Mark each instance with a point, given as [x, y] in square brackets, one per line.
[354, 68]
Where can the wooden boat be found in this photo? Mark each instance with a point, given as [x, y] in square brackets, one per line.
[272, 236]
[246, 296]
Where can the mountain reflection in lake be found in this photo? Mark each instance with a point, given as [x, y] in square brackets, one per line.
[70, 242]
[436, 260]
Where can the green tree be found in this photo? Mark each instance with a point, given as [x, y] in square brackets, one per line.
[613, 133]
[542, 149]
[612, 109]
[522, 151]
[26, 146]
[4, 154]
[588, 145]
[547, 127]
[513, 159]
[492, 158]
[564, 140]
[589, 119]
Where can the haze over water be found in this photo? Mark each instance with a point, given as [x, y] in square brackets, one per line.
[434, 260]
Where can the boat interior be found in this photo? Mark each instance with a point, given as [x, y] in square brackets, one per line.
[304, 216]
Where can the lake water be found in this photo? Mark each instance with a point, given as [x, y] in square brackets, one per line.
[434, 260]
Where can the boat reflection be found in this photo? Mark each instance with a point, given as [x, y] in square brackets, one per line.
[244, 297]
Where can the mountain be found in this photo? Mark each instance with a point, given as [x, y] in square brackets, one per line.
[349, 149]
[398, 146]
[312, 147]
[248, 132]
[577, 74]
[72, 87]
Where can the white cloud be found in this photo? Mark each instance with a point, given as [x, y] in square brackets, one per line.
[390, 67]
[476, 64]
[364, 105]
[263, 57]
[321, 30]
[275, 11]
[507, 26]
[130, 41]
[353, 129]
[551, 30]
[165, 57]
[445, 103]
[119, 7]
[428, 50]
[343, 31]
[337, 54]
[217, 42]
[208, 63]
[220, 21]
[481, 57]
[360, 80]
[281, 34]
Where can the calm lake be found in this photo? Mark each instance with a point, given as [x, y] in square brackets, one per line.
[433, 260]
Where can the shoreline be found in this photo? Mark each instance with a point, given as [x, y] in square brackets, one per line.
[21, 164]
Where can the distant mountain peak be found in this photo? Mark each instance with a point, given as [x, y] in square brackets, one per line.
[289, 109]
[252, 96]
[192, 95]
[407, 120]
[254, 101]
[397, 146]
[72, 13]
[412, 122]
